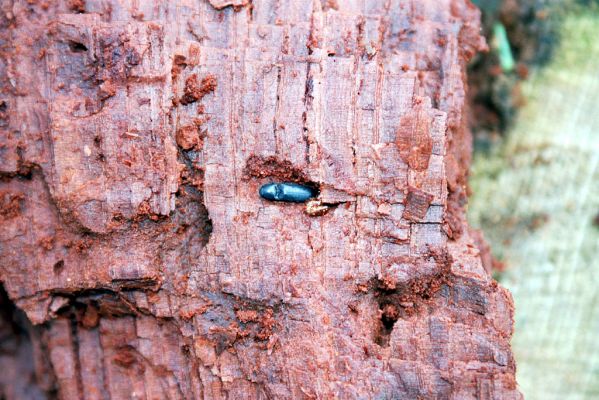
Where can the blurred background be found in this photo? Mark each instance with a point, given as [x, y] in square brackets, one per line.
[535, 184]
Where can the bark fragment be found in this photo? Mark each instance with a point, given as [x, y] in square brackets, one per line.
[413, 136]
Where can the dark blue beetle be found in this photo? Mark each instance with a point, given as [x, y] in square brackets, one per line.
[287, 191]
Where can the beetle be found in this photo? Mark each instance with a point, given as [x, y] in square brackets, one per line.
[295, 193]
[287, 191]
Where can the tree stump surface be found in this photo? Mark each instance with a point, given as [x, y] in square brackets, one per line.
[135, 138]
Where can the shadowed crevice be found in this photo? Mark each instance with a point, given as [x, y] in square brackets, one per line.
[18, 379]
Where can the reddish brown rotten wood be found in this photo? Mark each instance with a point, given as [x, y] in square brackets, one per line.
[137, 256]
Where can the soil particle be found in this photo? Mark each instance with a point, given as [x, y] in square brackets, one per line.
[77, 6]
[267, 323]
[179, 64]
[407, 295]
[246, 316]
[260, 167]
[187, 137]
[10, 204]
[46, 243]
[195, 91]
[260, 321]
[192, 136]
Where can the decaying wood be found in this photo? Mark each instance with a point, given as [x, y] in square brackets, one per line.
[135, 137]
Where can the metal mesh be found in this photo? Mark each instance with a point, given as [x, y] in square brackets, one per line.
[535, 198]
